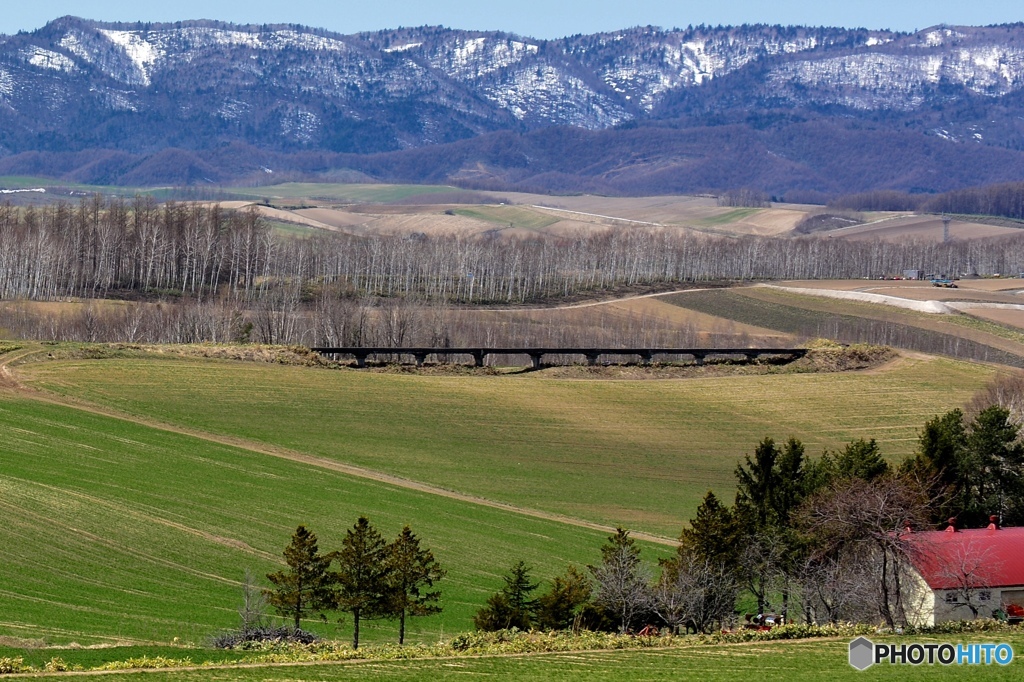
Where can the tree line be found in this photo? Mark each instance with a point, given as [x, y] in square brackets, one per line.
[1005, 200]
[355, 321]
[827, 539]
[138, 249]
[374, 579]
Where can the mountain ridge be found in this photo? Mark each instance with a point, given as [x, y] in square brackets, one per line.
[123, 93]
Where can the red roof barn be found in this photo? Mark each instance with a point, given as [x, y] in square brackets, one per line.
[969, 573]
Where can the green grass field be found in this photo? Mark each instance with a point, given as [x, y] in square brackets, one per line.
[635, 453]
[790, 661]
[732, 216]
[118, 532]
[506, 216]
[293, 229]
[342, 192]
[30, 182]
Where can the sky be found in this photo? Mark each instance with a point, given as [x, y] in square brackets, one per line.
[534, 18]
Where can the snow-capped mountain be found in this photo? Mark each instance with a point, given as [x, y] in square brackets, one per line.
[139, 88]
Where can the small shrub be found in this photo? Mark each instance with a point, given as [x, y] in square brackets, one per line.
[281, 634]
[956, 627]
[147, 662]
[11, 666]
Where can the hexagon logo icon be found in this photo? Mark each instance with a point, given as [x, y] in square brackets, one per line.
[862, 653]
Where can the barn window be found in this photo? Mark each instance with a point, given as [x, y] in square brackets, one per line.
[952, 598]
[985, 595]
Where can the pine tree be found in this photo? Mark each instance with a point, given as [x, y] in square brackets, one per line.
[713, 533]
[559, 607]
[308, 586]
[757, 483]
[362, 575]
[512, 607]
[409, 570]
[861, 459]
[995, 459]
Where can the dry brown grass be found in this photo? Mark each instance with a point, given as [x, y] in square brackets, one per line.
[591, 213]
[1013, 318]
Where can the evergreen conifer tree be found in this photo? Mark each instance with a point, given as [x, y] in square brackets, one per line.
[362, 575]
[308, 585]
[410, 569]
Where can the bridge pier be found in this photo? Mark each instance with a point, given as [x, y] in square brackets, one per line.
[592, 354]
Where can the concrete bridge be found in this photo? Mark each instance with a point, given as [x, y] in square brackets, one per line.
[536, 355]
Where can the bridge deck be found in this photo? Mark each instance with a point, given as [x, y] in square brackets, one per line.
[536, 354]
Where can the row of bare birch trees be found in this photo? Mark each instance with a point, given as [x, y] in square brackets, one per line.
[102, 248]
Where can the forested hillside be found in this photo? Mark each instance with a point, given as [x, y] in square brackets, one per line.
[638, 111]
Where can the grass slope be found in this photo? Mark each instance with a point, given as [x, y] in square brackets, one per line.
[636, 453]
[508, 216]
[118, 532]
[728, 217]
[811, 316]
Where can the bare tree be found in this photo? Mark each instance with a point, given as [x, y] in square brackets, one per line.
[834, 588]
[872, 520]
[695, 592]
[622, 580]
[400, 320]
[1006, 391]
[969, 570]
[253, 611]
[762, 566]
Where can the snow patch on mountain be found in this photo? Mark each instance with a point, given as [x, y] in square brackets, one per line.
[47, 59]
[939, 37]
[72, 44]
[143, 54]
[300, 125]
[118, 100]
[403, 48]
[233, 109]
[668, 61]
[880, 80]
[546, 94]
[6, 84]
[468, 58]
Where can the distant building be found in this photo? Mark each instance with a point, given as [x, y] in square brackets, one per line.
[964, 574]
